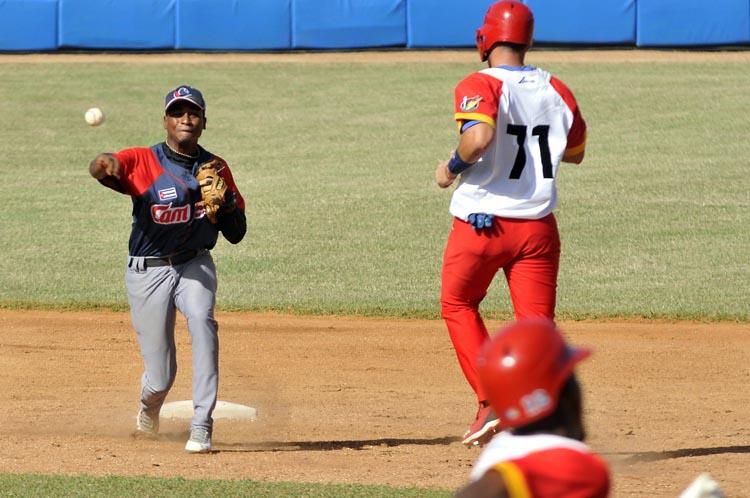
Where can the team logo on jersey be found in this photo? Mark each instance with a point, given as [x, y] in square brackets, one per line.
[167, 194]
[469, 104]
[165, 214]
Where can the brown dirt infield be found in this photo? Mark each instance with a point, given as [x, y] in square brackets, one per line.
[364, 401]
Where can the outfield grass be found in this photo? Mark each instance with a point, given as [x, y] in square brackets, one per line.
[336, 163]
[112, 487]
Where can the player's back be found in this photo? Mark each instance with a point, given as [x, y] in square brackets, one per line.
[527, 96]
[531, 132]
[533, 113]
[545, 466]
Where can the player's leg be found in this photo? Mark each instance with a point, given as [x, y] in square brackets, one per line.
[195, 297]
[152, 311]
[469, 266]
[470, 262]
[532, 277]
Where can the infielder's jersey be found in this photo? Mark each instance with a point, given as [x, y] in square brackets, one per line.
[165, 218]
[536, 121]
[544, 466]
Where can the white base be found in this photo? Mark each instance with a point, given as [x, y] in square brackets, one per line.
[224, 409]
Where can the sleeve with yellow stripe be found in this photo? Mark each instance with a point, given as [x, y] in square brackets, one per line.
[514, 480]
[475, 99]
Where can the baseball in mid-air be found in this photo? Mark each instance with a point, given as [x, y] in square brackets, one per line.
[94, 116]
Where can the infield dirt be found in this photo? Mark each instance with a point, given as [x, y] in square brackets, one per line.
[370, 401]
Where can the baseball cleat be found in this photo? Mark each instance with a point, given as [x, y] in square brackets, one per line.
[145, 425]
[483, 428]
[199, 442]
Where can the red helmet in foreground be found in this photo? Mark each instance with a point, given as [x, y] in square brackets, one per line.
[523, 369]
[506, 21]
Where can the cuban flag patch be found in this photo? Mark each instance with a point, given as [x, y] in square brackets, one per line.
[167, 194]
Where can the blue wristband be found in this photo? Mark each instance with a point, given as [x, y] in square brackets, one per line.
[457, 165]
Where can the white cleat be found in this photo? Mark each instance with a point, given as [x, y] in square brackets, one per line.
[146, 426]
[199, 442]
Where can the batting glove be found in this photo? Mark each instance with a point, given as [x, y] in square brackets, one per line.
[480, 221]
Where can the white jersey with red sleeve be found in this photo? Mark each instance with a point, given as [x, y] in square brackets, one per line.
[537, 122]
[544, 466]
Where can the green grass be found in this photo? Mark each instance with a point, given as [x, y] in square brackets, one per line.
[112, 487]
[336, 163]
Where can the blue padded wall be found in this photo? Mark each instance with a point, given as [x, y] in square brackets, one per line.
[348, 23]
[693, 22]
[131, 24]
[584, 21]
[434, 23]
[28, 24]
[234, 24]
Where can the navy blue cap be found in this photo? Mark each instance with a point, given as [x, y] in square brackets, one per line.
[184, 92]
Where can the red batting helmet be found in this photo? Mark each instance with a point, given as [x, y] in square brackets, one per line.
[506, 21]
[523, 369]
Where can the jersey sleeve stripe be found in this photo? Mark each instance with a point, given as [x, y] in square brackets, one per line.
[226, 173]
[514, 481]
[474, 116]
[577, 149]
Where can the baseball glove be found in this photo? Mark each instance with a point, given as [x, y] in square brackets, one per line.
[213, 188]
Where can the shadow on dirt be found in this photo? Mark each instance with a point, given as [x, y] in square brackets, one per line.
[275, 446]
[652, 456]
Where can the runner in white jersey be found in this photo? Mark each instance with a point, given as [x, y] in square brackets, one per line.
[527, 109]
[516, 124]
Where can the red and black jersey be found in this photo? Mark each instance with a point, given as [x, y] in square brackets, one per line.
[164, 193]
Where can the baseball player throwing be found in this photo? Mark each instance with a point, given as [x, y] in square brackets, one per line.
[527, 371]
[176, 221]
[516, 124]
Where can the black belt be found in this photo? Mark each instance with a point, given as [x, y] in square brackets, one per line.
[176, 259]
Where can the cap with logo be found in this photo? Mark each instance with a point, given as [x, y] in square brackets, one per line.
[184, 92]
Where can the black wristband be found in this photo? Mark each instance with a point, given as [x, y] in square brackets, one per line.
[457, 165]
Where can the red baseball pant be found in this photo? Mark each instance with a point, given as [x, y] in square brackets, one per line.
[528, 251]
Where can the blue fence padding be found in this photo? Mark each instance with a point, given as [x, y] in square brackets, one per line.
[693, 22]
[117, 24]
[584, 21]
[28, 24]
[446, 23]
[234, 24]
[348, 23]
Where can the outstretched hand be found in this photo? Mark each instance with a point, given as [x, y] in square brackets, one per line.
[104, 165]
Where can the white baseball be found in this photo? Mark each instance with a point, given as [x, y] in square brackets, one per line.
[94, 116]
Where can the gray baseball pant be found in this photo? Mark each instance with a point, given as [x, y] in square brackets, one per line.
[155, 294]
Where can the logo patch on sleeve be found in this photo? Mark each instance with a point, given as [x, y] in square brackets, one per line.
[469, 104]
[167, 194]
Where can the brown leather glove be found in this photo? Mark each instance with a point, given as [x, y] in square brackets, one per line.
[213, 187]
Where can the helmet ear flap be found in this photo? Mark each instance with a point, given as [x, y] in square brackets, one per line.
[480, 45]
